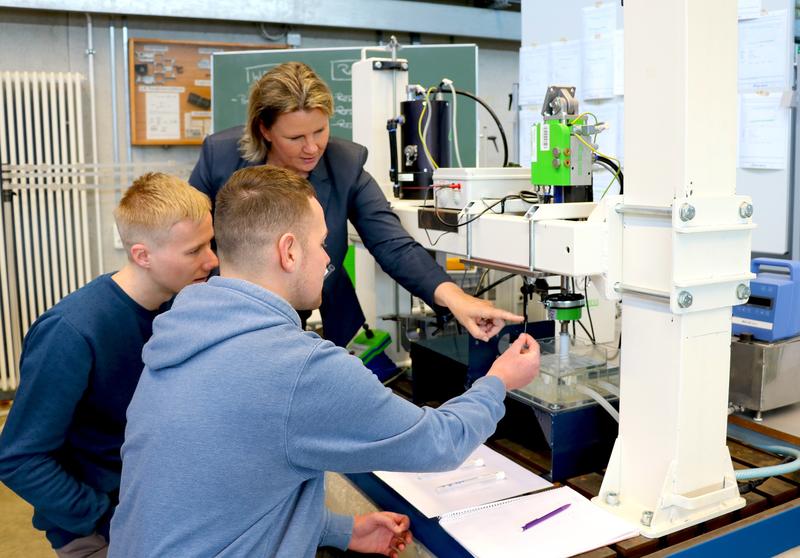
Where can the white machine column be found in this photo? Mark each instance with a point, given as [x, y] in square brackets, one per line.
[377, 93]
[685, 250]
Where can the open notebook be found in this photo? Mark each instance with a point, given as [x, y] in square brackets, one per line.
[485, 476]
[495, 530]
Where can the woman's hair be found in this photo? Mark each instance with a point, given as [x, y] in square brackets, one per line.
[290, 87]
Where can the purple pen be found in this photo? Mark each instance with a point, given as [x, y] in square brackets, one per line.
[544, 517]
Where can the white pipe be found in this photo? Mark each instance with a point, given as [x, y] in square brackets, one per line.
[127, 96]
[76, 230]
[48, 142]
[586, 390]
[41, 148]
[14, 157]
[27, 197]
[112, 50]
[67, 228]
[93, 114]
[59, 205]
[7, 363]
[81, 194]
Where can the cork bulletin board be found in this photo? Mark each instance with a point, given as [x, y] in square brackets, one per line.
[170, 92]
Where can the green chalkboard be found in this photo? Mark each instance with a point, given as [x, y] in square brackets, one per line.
[234, 72]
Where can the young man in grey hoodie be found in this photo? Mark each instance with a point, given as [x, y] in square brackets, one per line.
[239, 412]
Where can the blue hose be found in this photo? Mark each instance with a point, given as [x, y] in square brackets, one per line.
[772, 470]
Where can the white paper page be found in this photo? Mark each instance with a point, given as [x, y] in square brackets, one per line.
[763, 131]
[598, 69]
[163, 115]
[599, 21]
[565, 64]
[420, 489]
[496, 532]
[526, 120]
[534, 74]
[619, 62]
[764, 49]
[749, 9]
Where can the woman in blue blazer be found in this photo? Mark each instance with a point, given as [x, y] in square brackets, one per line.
[287, 126]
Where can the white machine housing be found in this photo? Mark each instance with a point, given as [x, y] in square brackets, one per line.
[675, 249]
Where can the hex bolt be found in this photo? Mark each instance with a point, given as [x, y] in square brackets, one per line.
[687, 212]
[685, 299]
[612, 499]
[746, 210]
[742, 292]
[647, 518]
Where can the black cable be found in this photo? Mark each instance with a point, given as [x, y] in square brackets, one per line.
[588, 311]
[491, 112]
[491, 286]
[613, 168]
[476, 217]
[583, 327]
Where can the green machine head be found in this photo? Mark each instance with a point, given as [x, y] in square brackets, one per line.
[558, 156]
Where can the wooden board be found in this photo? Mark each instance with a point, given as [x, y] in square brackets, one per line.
[170, 89]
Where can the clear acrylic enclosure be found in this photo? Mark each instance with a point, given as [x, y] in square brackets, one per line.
[573, 373]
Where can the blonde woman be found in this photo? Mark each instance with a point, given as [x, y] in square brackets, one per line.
[287, 126]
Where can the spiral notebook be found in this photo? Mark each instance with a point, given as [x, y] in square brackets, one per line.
[495, 530]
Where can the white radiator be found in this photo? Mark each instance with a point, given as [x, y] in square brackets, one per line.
[44, 239]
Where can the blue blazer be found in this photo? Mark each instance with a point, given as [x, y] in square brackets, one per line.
[345, 191]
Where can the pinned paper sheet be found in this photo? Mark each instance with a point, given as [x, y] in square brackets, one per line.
[527, 118]
[496, 478]
[598, 68]
[599, 21]
[763, 131]
[764, 49]
[534, 74]
[749, 9]
[565, 64]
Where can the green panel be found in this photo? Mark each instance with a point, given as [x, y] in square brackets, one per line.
[233, 73]
[563, 314]
[350, 263]
[543, 171]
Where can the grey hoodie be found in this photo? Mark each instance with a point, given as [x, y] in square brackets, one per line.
[239, 413]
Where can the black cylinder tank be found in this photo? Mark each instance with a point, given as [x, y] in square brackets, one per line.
[416, 170]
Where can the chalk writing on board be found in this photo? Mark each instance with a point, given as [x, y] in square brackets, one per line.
[341, 70]
[254, 73]
[341, 123]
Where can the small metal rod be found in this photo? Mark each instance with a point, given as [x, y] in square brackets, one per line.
[644, 209]
[620, 288]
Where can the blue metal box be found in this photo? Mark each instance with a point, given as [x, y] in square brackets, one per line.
[773, 310]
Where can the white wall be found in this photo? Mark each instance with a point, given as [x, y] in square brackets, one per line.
[33, 40]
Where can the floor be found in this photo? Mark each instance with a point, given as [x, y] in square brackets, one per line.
[18, 536]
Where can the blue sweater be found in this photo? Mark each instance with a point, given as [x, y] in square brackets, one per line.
[237, 416]
[59, 449]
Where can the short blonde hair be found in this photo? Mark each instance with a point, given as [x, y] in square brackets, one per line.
[290, 87]
[255, 207]
[153, 204]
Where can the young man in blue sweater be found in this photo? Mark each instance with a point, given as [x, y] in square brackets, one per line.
[81, 360]
[239, 412]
